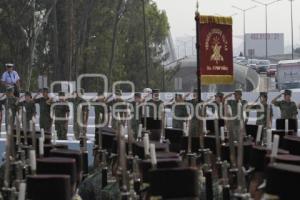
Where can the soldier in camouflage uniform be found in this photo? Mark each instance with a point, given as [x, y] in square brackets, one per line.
[80, 112]
[29, 106]
[179, 110]
[264, 112]
[155, 106]
[217, 106]
[101, 111]
[196, 125]
[45, 107]
[117, 107]
[10, 103]
[61, 114]
[287, 107]
[237, 106]
[136, 112]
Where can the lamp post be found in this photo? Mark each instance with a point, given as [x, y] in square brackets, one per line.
[292, 29]
[244, 16]
[266, 15]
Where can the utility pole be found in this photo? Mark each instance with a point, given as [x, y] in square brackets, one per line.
[145, 43]
[266, 15]
[292, 29]
[244, 26]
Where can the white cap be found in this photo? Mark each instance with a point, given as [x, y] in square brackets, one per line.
[147, 90]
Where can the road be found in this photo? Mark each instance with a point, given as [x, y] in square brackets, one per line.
[266, 84]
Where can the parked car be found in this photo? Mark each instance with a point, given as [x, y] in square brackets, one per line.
[271, 71]
[262, 66]
[252, 62]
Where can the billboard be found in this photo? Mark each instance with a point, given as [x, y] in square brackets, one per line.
[256, 44]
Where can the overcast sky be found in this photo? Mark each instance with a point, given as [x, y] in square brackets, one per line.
[181, 16]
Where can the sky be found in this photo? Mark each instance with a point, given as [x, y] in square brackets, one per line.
[181, 16]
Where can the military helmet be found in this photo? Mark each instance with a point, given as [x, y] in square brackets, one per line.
[239, 92]
[118, 92]
[263, 94]
[287, 92]
[61, 94]
[27, 93]
[219, 94]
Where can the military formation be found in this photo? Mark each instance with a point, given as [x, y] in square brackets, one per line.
[133, 143]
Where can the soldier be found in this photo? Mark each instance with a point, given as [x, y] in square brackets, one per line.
[287, 107]
[237, 106]
[45, 107]
[219, 104]
[196, 125]
[265, 113]
[29, 106]
[83, 115]
[61, 115]
[117, 107]
[10, 103]
[155, 106]
[180, 110]
[100, 114]
[136, 112]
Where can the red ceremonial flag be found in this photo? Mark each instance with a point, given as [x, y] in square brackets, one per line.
[216, 57]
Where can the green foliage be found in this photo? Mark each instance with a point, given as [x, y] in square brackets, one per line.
[77, 38]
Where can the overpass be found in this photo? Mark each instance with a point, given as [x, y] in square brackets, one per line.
[244, 78]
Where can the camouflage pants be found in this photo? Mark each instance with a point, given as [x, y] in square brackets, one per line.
[135, 127]
[77, 129]
[46, 123]
[61, 128]
[195, 127]
[6, 119]
[177, 124]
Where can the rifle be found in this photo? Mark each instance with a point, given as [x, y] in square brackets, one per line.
[84, 151]
[123, 164]
[33, 135]
[241, 191]
[231, 138]
[24, 125]
[163, 120]
[7, 189]
[226, 186]
[18, 132]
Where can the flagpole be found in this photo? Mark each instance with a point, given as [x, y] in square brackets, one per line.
[197, 19]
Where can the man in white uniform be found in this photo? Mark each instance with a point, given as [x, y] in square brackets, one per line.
[10, 78]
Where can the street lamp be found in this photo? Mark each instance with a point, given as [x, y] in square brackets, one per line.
[292, 29]
[266, 12]
[244, 13]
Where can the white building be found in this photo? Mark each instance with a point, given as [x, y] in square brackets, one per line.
[256, 44]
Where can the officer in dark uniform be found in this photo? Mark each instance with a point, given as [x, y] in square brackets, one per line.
[80, 111]
[45, 107]
[61, 114]
[29, 106]
[287, 107]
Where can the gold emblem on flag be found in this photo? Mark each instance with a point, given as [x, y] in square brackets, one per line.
[216, 48]
[216, 42]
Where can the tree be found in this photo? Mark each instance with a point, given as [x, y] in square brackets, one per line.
[84, 36]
